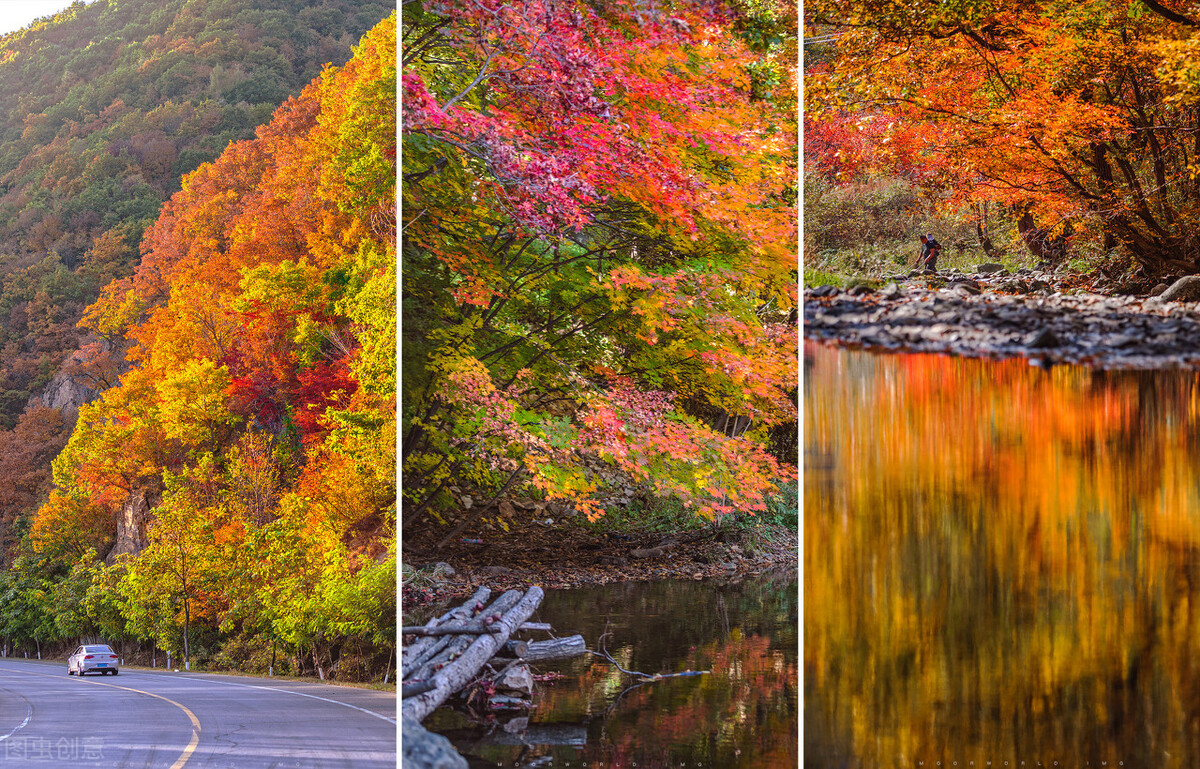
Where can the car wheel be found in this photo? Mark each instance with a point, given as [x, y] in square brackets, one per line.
[115, 672]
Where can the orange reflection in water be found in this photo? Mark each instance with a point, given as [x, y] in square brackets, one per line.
[1000, 563]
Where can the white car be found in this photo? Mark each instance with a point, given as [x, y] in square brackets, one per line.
[93, 657]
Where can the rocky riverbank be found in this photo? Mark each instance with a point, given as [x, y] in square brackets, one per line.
[990, 313]
[567, 555]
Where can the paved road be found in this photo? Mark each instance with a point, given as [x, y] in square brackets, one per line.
[161, 720]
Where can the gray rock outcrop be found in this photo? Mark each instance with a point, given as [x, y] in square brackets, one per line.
[131, 527]
[425, 750]
[66, 394]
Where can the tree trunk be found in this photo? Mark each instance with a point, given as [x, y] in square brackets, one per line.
[1039, 241]
[477, 513]
[186, 623]
[985, 241]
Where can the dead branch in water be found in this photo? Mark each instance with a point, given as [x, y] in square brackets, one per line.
[642, 677]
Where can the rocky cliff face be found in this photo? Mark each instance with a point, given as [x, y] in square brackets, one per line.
[131, 527]
[66, 395]
[66, 392]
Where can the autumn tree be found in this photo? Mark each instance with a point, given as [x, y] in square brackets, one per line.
[599, 249]
[1076, 118]
[26, 452]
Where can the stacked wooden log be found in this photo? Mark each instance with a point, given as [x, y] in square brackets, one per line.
[448, 653]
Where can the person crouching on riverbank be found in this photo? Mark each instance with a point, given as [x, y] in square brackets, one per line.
[930, 251]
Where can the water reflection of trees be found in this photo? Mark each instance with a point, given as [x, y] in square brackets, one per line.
[1000, 562]
[743, 714]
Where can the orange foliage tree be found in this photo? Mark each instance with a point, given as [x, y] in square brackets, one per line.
[1078, 118]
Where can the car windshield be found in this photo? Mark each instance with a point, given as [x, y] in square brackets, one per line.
[97, 650]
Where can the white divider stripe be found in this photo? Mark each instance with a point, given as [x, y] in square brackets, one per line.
[298, 694]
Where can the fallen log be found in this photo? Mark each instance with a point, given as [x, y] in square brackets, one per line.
[456, 645]
[415, 653]
[412, 690]
[470, 628]
[553, 649]
[458, 672]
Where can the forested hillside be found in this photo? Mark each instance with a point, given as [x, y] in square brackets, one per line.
[238, 469]
[102, 109]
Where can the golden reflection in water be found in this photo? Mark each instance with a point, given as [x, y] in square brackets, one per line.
[1000, 563]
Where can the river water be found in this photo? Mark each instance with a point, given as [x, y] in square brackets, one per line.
[743, 714]
[1000, 563]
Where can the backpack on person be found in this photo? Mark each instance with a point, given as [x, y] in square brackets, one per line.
[934, 249]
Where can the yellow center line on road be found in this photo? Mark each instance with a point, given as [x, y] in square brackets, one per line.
[187, 752]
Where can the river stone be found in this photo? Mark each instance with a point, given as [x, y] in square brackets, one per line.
[989, 268]
[516, 679]
[891, 291]
[441, 569]
[821, 291]
[1157, 290]
[1045, 338]
[1121, 340]
[425, 750]
[1186, 289]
